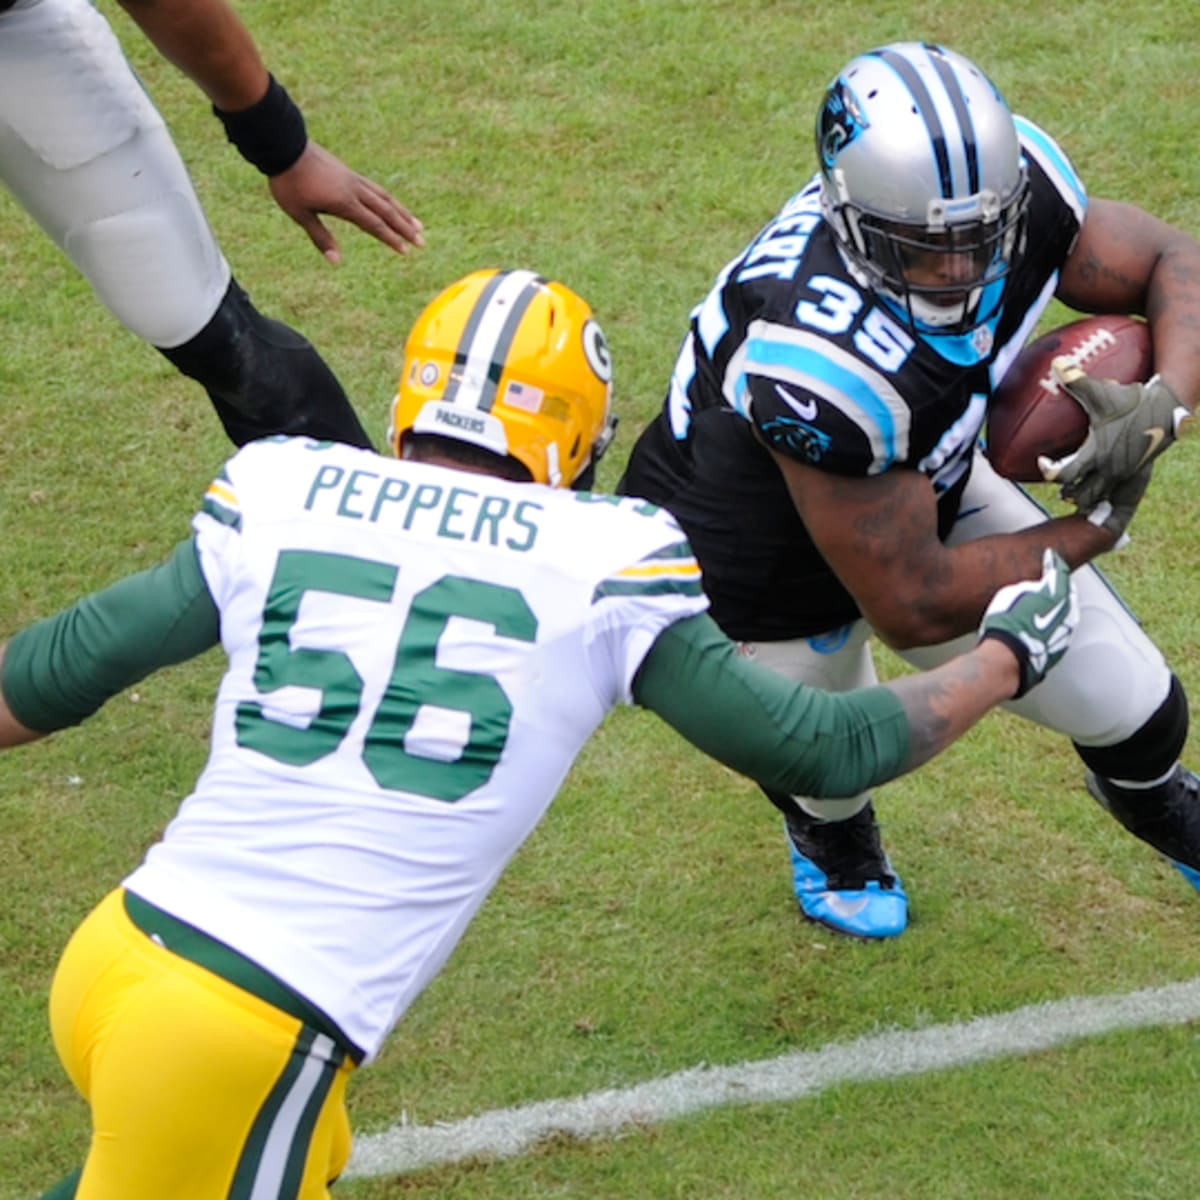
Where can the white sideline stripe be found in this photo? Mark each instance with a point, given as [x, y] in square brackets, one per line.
[508, 1132]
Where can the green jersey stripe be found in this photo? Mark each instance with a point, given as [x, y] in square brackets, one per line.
[658, 586]
[224, 515]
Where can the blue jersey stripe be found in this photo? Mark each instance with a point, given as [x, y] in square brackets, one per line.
[1051, 158]
[772, 355]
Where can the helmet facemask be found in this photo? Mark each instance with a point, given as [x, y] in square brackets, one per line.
[946, 278]
[923, 184]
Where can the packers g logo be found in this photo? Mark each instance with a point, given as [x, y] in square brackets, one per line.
[595, 349]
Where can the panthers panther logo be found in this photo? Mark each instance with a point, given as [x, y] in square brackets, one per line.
[840, 122]
[797, 438]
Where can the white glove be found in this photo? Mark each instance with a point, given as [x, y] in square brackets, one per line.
[1035, 619]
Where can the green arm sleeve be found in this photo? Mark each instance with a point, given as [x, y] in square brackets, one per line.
[789, 737]
[64, 668]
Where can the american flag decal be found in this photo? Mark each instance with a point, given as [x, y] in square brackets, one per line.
[523, 396]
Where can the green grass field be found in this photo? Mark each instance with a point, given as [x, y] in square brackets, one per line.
[628, 148]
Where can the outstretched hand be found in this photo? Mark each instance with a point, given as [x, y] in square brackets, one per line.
[1035, 619]
[318, 182]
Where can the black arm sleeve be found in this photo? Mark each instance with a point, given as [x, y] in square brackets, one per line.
[64, 668]
[789, 737]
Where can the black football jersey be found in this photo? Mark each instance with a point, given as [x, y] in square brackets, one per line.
[789, 351]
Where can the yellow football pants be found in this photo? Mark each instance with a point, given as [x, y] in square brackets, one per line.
[199, 1089]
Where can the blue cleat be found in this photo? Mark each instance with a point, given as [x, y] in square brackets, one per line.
[842, 877]
[1189, 873]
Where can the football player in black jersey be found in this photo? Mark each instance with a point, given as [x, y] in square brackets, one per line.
[820, 440]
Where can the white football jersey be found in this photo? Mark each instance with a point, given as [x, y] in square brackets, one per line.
[416, 656]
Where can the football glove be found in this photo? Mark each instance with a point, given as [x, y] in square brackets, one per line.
[1035, 619]
[1131, 424]
[1115, 510]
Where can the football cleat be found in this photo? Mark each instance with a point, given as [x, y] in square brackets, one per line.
[1166, 817]
[1189, 873]
[842, 877]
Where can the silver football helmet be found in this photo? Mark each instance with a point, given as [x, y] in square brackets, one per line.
[923, 183]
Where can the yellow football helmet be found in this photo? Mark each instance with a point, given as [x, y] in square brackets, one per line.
[516, 364]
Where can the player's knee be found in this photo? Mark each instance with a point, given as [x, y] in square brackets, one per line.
[159, 283]
[265, 378]
[1151, 751]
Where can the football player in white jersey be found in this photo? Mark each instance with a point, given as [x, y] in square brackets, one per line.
[417, 649]
[86, 153]
[820, 444]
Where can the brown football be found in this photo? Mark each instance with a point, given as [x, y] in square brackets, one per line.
[1031, 415]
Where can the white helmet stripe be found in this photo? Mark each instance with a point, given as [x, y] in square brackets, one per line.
[487, 338]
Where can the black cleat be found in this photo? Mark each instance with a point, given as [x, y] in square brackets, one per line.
[1166, 816]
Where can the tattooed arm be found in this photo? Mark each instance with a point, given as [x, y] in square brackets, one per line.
[1127, 261]
[802, 740]
[941, 705]
[880, 536]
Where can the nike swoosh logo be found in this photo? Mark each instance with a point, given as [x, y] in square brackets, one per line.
[1044, 621]
[844, 908]
[1155, 438]
[805, 409]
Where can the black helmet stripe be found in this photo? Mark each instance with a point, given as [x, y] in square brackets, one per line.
[488, 336]
[959, 103]
[928, 111]
[470, 329]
